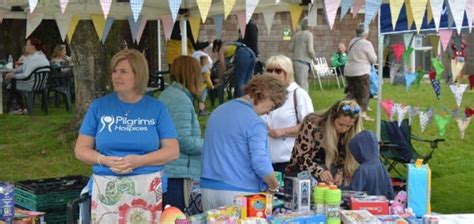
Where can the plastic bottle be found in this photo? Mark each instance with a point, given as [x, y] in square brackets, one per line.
[318, 197]
[332, 199]
[10, 62]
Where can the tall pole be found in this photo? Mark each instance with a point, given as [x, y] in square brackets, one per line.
[184, 36]
[158, 24]
[380, 84]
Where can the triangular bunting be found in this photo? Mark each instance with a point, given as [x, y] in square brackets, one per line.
[406, 54]
[445, 37]
[456, 68]
[228, 5]
[136, 7]
[295, 13]
[409, 79]
[407, 39]
[395, 7]
[418, 8]
[429, 13]
[345, 6]
[72, 27]
[63, 21]
[409, 13]
[393, 71]
[463, 123]
[401, 112]
[99, 23]
[174, 8]
[355, 7]
[133, 27]
[167, 22]
[141, 28]
[412, 112]
[250, 6]
[419, 76]
[426, 117]
[32, 22]
[105, 5]
[436, 88]
[387, 106]
[458, 92]
[441, 122]
[312, 15]
[438, 66]
[32, 5]
[108, 25]
[218, 23]
[268, 15]
[195, 23]
[456, 9]
[371, 9]
[63, 5]
[470, 13]
[398, 50]
[203, 6]
[434, 42]
[241, 21]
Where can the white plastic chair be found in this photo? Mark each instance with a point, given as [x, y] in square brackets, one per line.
[320, 68]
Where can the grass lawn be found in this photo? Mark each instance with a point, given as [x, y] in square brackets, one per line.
[42, 146]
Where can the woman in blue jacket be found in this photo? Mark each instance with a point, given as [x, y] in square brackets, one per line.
[178, 98]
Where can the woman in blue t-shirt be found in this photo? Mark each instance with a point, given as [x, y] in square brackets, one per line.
[127, 137]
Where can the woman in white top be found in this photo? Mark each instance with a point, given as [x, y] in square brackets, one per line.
[284, 122]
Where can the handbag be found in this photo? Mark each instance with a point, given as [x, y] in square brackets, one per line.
[419, 188]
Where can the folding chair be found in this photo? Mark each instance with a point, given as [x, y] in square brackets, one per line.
[396, 146]
[320, 68]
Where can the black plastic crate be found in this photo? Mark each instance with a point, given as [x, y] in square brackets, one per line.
[51, 193]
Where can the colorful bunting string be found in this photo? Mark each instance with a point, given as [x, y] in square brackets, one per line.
[436, 8]
[418, 8]
[438, 66]
[456, 9]
[445, 37]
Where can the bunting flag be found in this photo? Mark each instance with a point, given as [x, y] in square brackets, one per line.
[456, 69]
[469, 112]
[99, 24]
[458, 92]
[228, 5]
[63, 21]
[463, 123]
[395, 7]
[418, 8]
[195, 23]
[470, 13]
[136, 7]
[441, 122]
[412, 112]
[203, 6]
[174, 8]
[395, 108]
[419, 76]
[445, 37]
[406, 54]
[436, 87]
[312, 15]
[408, 38]
[371, 9]
[105, 5]
[141, 28]
[72, 27]
[438, 66]
[218, 24]
[429, 13]
[457, 41]
[268, 16]
[108, 25]
[409, 79]
[393, 71]
[250, 6]
[63, 5]
[434, 41]
[168, 23]
[398, 50]
[456, 9]
[387, 106]
[426, 117]
[135, 27]
[32, 22]
[345, 6]
[401, 112]
[409, 13]
[295, 14]
[355, 7]
[241, 21]
[32, 5]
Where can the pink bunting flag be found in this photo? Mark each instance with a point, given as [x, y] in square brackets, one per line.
[63, 5]
[241, 16]
[355, 7]
[105, 5]
[167, 22]
[445, 37]
[398, 50]
[387, 106]
[331, 7]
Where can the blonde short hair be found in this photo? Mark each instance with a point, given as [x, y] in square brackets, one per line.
[283, 62]
[139, 66]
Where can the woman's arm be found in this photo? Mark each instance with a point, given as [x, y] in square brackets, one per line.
[84, 151]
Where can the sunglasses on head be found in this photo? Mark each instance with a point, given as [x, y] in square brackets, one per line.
[350, 110]
[276, 70]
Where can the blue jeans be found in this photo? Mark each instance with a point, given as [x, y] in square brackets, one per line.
[245, 61]
[174, 196]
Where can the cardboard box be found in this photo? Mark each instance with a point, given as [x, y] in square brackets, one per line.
[250, 206]
[377, 205]
[297, 194]
[358, 217]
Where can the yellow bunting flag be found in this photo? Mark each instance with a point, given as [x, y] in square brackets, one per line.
[195, 24]
[418, 9]
[395, 7]
[99, 23]
[409, 13]
[204, 6]
[295, 13]
[228, 5]
[429, 13]
[72, 27]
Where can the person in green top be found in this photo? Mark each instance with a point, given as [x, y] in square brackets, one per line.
[339, 58]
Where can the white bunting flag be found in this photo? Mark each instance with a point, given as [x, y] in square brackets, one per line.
[32, 22]
[456, 8]
[32, 5]
[426, 117]
[250, 6]
[174, 8]
[105, 5]
[331, 7]
[136, 7]
[268, 15]
[63, 21]
[470, 13]
[463, 123]
[312, 15]
[458, 92]
[218, 24]
[63, 5]
[436, 9]
[401, 112]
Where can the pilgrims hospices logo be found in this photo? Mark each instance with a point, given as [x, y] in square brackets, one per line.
[121, 123]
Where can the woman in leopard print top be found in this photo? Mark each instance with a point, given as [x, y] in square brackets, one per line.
[321, 145]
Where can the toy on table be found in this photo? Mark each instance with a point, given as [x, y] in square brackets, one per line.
[171, 214]
[399, 203]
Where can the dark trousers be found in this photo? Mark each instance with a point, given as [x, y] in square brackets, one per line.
[14, 94]
[174, 196]
[243, 69]
[358, 88]
[280, 167]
